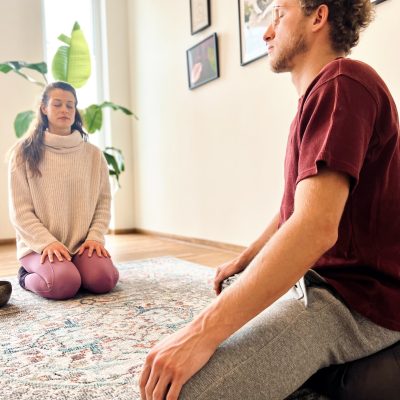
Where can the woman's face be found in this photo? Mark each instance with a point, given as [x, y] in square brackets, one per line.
[60, 111]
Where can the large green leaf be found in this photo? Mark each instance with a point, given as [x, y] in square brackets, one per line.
[115, 161]
[72, 61]
[17, 66]
[118, 157]
[116, 107]
[93, 115]
[59, 66]
[5, 68]
[92, 118]
[22, 122]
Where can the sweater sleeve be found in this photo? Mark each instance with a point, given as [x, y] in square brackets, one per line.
[102, 215]
[22, 211]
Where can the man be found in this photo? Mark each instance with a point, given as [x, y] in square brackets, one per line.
[339, 216]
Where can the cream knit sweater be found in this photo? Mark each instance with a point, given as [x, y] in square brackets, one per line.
[69, 203]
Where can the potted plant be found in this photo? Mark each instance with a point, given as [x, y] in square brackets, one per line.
[71, 64]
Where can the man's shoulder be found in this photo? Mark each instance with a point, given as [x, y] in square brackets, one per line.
[354, 69]
[343, 72]
[351, 69]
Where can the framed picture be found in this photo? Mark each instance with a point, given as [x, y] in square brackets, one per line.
[253, 17]
[202, 62]
[199, 15]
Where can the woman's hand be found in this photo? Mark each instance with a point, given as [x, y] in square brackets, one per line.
[92, 245]
[57, 249]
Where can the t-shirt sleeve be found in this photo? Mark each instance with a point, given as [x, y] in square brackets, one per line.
[339, 118]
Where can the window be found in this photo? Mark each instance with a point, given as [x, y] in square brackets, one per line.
[59, 17]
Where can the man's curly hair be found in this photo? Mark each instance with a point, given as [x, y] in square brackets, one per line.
[346, 18]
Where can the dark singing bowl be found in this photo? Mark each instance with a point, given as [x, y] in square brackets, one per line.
[5, 292]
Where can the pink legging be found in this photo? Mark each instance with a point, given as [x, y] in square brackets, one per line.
[62, 279]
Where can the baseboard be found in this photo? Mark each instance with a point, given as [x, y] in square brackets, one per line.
[7, 241]
[203, 242]
[122, 231]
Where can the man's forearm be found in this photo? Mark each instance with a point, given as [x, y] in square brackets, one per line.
[254, 248]
[280, 264]
[310, 231]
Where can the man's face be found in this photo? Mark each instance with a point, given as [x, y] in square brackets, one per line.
[286, 35]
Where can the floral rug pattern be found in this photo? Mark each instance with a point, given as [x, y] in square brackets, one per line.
[92, 347]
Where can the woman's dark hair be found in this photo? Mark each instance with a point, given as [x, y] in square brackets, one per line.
[346, 19]
[30, 148]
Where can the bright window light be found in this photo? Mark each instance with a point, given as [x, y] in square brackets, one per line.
[59, 17]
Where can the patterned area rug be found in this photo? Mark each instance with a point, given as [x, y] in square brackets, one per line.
[92, 347]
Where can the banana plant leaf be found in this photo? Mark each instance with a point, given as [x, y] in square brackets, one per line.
[22, 122]
[116, 107]
[93, 115]
[72, 62]
[115, 161]
[17, 66]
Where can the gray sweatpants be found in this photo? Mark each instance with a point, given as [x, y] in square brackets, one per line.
[276, 352]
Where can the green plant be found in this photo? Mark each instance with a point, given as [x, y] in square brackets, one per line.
[71, 64]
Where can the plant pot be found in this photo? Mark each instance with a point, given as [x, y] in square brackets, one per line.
[5, 292]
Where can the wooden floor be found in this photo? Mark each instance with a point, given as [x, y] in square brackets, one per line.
[136, 247]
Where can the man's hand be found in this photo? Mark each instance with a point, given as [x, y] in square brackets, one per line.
[172, 362]
[226, 270]
[92, 245]
[241, 262]
[57, 249]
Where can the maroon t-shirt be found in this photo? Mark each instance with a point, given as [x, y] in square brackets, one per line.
[347, 121]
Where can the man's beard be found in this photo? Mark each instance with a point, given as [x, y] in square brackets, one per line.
[284, 60]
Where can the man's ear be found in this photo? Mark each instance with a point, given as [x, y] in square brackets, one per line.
[320, 17]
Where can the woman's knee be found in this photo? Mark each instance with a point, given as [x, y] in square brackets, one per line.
[102, 281]
[65, 282]
[98, 274]
[58, 280]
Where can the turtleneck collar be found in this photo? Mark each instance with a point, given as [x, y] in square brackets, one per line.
[62, 144]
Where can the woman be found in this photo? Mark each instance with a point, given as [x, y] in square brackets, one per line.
[60, 203]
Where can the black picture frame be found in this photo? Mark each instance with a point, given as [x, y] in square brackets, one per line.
[252, 25]
[202, 62]
[377, 1]
[200, 15]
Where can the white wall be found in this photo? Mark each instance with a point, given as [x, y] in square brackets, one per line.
[117, 72]
[380, 45]
[21, 39]
[209, 162]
